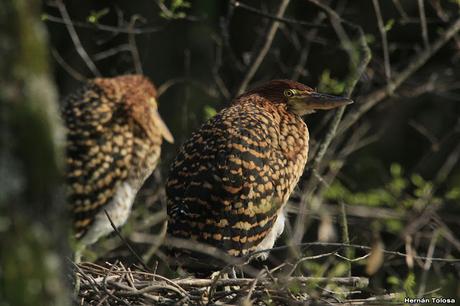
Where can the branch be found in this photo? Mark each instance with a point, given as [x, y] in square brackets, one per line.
[359, 282]
[359, 247]
[290, 21]
[133, 46]
[75, 39]
[69, 69]
[421, 7]
[139, 259]
[102, 27]
[258, 59]
[383, 33]
[357, 70]
[378, 95]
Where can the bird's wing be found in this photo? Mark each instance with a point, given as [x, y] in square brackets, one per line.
[99, 143]
[222, 186]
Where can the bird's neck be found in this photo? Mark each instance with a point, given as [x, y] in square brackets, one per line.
[291, 131]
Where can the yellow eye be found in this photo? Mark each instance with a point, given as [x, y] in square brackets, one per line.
[289, 93]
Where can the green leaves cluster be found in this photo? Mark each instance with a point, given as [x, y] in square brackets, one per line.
[329, 84]
[174, 10]
[399, 191]
[403, 193]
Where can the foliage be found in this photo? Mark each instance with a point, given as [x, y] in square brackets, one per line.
[175, 10]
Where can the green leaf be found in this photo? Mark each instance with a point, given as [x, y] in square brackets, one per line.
[329, 84]
[96, 15]
[338, 270]
[417, 180]
[396, 170]
[409, 284]
[453, 194]
[389, 25]
[209, 112]
[393, 280]
[174, 11]
[394, 226]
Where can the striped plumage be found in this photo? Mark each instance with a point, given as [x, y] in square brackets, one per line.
[231, 179]
[114, 136]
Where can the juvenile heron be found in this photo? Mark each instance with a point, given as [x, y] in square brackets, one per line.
[114, 136]
[231, 180]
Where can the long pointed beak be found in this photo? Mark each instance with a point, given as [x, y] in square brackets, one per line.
[163, 128]
[324, 101]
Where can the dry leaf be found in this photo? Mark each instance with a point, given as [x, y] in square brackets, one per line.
[326, 230]
[409, 252]
[375, 260]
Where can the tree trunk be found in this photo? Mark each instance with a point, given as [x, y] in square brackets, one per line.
[33, 225]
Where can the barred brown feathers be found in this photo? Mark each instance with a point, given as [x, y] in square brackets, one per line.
[114, 135]
[231, 179]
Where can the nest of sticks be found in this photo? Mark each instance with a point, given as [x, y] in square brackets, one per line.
[116, 284]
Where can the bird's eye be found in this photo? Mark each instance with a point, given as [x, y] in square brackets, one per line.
[289, 93]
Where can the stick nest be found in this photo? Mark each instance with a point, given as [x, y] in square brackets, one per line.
[115, 284]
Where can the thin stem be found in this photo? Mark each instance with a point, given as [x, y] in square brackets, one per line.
[421, 9]
[345, 235]
[76, 40]
[383, 34]
[258, 59]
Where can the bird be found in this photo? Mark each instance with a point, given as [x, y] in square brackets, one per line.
[229, 184]
[113, 143]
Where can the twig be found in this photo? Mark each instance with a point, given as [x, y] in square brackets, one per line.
[359, 247]
[75, 39]
[400, 10]
[355, 75]
[172, 82]
[345, 235]
[354, 281]
[102, 27]
[383, 34]
[361, 211]
[69, 69]
[369, 101]
[421, 9]
[215, 71]
[133, 46]
[255, 11]
[139, 259]
[247, 299]
[258, 59]
[426, 133]
[448, 165]
[427, 265]
[299, 67]
[111, 52]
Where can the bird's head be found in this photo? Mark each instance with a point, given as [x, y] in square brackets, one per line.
[299, 98]
[140, 96]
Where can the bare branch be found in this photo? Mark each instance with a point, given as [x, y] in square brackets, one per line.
[378, 95]
[75, 39]
[383, 34]
[357, 70]
[290, 21]
[427, 265]
[103, 27]
[133, 46]
[260, 56]
[421, 9]
[69, 69]
[139, 259]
